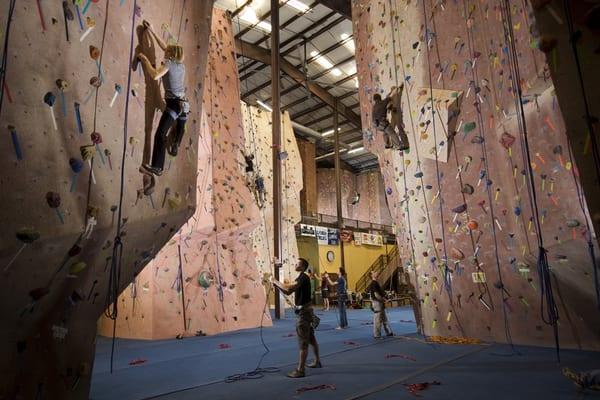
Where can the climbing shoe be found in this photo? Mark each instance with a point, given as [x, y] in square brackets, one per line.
[315, 364]
[148, 169]
[296, 374]
[173, 149]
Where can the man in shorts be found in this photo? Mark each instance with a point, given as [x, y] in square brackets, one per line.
[304, 318]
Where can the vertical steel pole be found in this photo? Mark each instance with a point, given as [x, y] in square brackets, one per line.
[338, 180]
[276, 117]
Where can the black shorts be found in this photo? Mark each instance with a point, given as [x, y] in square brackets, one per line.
[325, 294]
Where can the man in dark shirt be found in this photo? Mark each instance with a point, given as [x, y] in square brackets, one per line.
[378, 306]
[304, 317]
[393, 133]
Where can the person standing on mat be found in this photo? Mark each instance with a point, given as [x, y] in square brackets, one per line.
[378, 307]
[304, 317]
[325, 290]
[342, 296]
[172, 72]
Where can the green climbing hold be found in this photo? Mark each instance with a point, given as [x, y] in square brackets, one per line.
[469, 126]
[205, 279]
[77, 267]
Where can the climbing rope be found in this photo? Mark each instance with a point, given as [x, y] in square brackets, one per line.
[484, 156]
[548, 307]
[115, 269]
[11, 10]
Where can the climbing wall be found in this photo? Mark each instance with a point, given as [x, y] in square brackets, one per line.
[371, 207]
[60, 201]
[473, 208]
[205, 280]
[259, 139]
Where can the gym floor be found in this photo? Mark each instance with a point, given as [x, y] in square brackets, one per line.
[354, 366]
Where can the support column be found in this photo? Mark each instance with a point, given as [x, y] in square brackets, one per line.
[338, 179]
[308, 195]
[276, 114]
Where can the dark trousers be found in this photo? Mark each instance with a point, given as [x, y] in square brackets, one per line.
[173, 114]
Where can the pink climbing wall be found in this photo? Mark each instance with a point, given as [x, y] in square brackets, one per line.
[55, 289]
[259, 138]
[371, 207]
[218, 284]
[443, 206]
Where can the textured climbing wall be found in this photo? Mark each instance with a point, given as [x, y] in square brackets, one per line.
[55, 289]
[218, 284]
[371, 207]
[259, 139]
[473, 208]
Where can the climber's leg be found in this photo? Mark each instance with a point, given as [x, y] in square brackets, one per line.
[166, 122]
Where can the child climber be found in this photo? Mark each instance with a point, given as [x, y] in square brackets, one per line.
[393, 133]
[172, 72]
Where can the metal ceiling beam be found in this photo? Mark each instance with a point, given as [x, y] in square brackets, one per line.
[314, 35]
[342, 7]
[264, 56]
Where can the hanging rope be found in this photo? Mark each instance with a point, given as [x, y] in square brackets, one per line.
[484, 156]
[11, 10]
[548, 307]
[180, 20]
[115, 268]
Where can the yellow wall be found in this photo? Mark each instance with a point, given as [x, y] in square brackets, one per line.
[358, 258]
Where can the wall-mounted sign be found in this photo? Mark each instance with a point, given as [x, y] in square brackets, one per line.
[321, 235]
[307, 230]
[371, 239]
[333, 237]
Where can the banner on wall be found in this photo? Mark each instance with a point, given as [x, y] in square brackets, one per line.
[307, 230]
[346, 235]
[333, 237]
[357, 238]
[321, 235]
[371, 239]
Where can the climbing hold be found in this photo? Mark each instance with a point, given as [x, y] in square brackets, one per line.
[507, 140]
[27, 235]
[468, 127]
[477, 140]
[467, 189]
[457, 254]
[53, 200]
[77, 267]
[472, 225]
[573, 223]
[460, 209]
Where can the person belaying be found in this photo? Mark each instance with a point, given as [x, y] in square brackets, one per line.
[378, 307]
[584, 379]
[342, 296]
[393, 133]
[304, 317]
[172, 72]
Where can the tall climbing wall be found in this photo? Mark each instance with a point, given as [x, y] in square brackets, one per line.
[206, 280]
[467, 220]
[259, 139]
[371, 207]
[67, 87]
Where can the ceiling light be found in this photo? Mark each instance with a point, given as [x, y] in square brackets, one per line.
[265, 106]
[248, 15]
[327, 133]
[336, 72]
[349, 42]
[298, 5]
[356, 150]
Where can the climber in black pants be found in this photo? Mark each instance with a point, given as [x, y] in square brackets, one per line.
[393, 133]
[172, 72]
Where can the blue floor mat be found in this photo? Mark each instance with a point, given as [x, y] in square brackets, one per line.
[354, 363]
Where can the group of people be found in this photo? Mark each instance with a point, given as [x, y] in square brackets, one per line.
[305, 318]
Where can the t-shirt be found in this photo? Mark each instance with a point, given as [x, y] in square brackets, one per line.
[249, 164]
[173, 80]
[374, 287]
[302, 292]
[380, 110]
[341, 285]
[324, 284]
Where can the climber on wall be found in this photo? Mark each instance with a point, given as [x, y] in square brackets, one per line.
[260, 191]
[393, 133]
[249, 158]
[172, 72]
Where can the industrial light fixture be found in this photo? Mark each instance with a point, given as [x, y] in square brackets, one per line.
[298, 5]
[329, 132]
[248, 15]
[356, 150]
[349, 43]
[325, 63]
[265, 106]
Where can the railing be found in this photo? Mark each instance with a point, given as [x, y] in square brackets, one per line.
[331, 221]
[385, 265]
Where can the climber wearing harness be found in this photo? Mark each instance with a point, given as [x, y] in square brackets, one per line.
[393, 132]
[378, 307]
[172, 72]
[260, 191]
[304, 317]
[249, 158]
